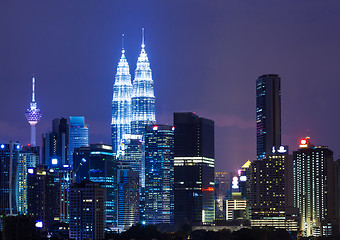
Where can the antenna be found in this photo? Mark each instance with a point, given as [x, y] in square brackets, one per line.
[33, 89]
[143, 45]
[123, 41]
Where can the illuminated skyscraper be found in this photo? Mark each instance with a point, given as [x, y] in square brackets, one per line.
[33, 115]
[268, 114]
[121, 103]
[314, 189]
[79, 135]
[97, 163]
[143, 98]
[194, 165]
[159, 174]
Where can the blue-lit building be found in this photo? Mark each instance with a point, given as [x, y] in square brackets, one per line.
[143, 97]
[79, 135]
[121, 103]
[268, 114]
[9, 158]
[56, 144]
[28, 158]
[159, 174]
[128, 196]
[96, 163]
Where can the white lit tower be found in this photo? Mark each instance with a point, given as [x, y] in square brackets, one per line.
[121, 102]
[143, 97]
[33, 115]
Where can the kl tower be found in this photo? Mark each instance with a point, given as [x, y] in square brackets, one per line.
[33, 115]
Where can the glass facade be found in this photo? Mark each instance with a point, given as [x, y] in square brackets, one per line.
[97, 163]
[159, 174]
[268, 114]
[121, 103]
[79, 135]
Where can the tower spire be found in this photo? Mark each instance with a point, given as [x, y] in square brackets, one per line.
[33, 89]
[123, 51]
[143, 45]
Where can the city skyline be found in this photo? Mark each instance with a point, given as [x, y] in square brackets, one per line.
[206, 65]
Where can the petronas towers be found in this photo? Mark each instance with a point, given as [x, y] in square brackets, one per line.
[133, 105]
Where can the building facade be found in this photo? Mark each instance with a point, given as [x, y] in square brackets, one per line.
[143, 97]
[87, 211]
[97, 163]
[194, 170]
[159, 174]
[43, 195]
[268, 114]
[314, 189]
[79, 135]
[121, 103]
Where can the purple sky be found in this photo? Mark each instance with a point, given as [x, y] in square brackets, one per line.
[205, 57]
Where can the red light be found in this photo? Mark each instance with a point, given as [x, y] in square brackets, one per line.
[303, 142]
[28, 145]
[209, 189]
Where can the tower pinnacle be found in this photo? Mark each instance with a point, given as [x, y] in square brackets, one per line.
[143, 45]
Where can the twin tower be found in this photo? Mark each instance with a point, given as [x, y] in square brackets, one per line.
[133, 104]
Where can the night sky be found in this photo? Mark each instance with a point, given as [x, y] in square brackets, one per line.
[205, 57]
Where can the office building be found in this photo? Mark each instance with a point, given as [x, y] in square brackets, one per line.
[97, 163]
[79, 135]
[87, 211]
[128, 196]
[56, 144]
[268, 114]
[121, 103]
[314, 189]
[159, 174]
[269, 192]
[33, 115]
[143, 97]
[28, 158]
[9, 158]
[43, 195]
[221, 187]
[194, 169]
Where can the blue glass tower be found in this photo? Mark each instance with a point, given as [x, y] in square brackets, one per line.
[143, 97]
[159, 174]
[121, 103]
[79, 135]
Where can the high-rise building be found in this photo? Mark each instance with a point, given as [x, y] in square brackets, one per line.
[143, 97]
[314, 189]
[269, 191]
[87, 211]
[194, 169]
[79, 135]
[121, 103]
[132, 154]
[128, 196]
[28, 158]
[9, 158]
[33, 115]
[159, 174]
[97, 163]
[268, 114]
[43, 195]
[221, 187]
[56, 144]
